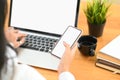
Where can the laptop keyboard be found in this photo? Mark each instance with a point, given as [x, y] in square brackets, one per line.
[39, 43]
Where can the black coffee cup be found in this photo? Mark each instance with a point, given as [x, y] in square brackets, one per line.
[87, 45]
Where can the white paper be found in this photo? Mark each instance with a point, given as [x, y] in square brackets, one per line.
[112, 48]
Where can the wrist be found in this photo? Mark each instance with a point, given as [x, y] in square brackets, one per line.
[11, 44]
[63, 68]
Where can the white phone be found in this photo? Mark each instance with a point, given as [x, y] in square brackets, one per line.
[70, 36]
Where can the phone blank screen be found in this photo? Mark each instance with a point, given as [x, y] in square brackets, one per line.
[70, 36]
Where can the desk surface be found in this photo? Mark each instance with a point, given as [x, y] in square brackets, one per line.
[84, 67]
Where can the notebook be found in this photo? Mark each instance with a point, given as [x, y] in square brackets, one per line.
[43, 21]
[112, 48]
[108, 57]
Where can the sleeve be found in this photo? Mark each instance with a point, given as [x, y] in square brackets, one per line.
[16, 71]
[25, 72]
[66, 76]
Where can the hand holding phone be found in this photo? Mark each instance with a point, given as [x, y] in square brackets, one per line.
[70, 36]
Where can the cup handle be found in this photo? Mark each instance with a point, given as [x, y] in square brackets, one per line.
[79, 45]
[92, 52]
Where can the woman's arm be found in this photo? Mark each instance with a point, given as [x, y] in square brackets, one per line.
[63, 69]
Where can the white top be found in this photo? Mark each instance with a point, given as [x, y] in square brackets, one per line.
[25, 72]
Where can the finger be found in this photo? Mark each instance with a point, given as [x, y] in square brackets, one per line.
[65, 44]
[19, 43]
[22, 41]
[74, 50]
[74, 47]
[16, 31]
[22, 35]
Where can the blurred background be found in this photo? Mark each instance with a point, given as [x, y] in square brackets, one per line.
[113, 1]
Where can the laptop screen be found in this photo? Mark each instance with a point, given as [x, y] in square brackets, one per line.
[50, 16]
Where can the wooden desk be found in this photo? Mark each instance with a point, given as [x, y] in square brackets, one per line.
[84, 67]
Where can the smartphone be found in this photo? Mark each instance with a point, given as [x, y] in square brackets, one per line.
[70, 36]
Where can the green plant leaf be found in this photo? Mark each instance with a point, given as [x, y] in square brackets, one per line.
[96, 11]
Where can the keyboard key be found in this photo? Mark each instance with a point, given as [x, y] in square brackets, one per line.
[43, 44]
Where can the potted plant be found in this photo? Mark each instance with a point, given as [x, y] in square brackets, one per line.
[96, 13]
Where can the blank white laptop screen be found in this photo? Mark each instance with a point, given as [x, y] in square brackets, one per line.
[51, 16]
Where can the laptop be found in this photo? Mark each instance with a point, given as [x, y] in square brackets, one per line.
[44, 21]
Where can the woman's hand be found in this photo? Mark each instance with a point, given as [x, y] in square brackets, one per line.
[14, 37]
[67, 58]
